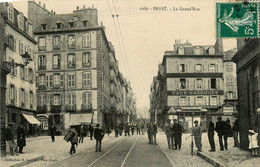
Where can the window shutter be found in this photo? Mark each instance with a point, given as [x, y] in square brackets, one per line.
[74, 99]
[203, 68]
[51, 99]
[188, 104]
[89, 79]
[89, 98]
[216, 68]
[177, 83]
[194, 67]
[15, 96]
[195, 101]
[187, 83]
[61, 80]
[83, 98]
[89, 58]
[47, 99]
[8, 92]
[51, 81]
[194, 83]
[218, 83]
[47, 81]
[186, 67]
[178, 101]
[178, 68]
[219, 100]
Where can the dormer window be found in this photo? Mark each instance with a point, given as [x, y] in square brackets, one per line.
[10, 13]
[211, 51]
[58, 25]
[181, 51]
[44, 26]
[197, 51]
[85, 23]
[71, 23]
[21, 21]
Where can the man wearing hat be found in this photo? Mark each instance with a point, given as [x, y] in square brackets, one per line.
[177, 133]
[21, 138]
[211, 135]
[168, 132]
[9, 137]
[98, 135]
[197, 132]
[220, 128]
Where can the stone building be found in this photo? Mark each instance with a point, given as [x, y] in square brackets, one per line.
[191, 81]
[21, 84]
[247, 61]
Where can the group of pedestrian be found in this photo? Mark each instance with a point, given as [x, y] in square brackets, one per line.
[173, 134]
[151, 132]
[129, 128]
[10, 139]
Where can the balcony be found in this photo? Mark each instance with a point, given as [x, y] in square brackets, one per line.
[73, 65]
[56, 86]
[12, 102]
[86, 107]
[42, 109]
[41, 87]
[42, 67]
[56, 108]
[23, 104]
[42, 48]
[71, 108]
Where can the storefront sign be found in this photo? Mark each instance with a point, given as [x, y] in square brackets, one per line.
[196, 92]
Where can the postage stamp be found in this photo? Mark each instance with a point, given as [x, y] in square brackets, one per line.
[236, 19]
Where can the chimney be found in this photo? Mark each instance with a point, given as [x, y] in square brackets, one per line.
[101, 24]
[54, 13]
[219, 46]
[77, 7]
[44, 6]
[84, 6]
[40, 3]
[51, 11]
[92, 6]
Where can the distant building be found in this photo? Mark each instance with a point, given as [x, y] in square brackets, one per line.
[21, 84]
[247, 61]
[190, 80]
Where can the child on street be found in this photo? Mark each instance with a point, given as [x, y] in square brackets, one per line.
[253, 145]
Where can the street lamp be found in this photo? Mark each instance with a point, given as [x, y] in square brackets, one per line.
[26, 60]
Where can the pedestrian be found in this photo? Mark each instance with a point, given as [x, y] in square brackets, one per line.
[168, 133]
[9, 138]
[211, 135]
[121, 128]
[53, 132]
[177, 134]
[220, 127]
[235, 130]
[154, 132]
[133, 128]
[86, 130]
[73, 141]
[91, 131]
[138, 128]
[116, 130]
[253, 141]
[98, 135]
[197, 132]
[227, 133]
[108, 130]
[21, 142]
[142, 129]
[150, 132]
[82, 132]
[127, 129]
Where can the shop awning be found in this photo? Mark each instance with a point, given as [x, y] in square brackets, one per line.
[77, 119]
[31, 119]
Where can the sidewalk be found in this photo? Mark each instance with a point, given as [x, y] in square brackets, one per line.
[41, 151]
[233, 157]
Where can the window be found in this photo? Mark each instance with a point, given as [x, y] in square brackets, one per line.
[85, 23]
[198, 68]
[71, 60]
[50, 81]
[181, 50]
[229, 67]
[213, 100]
[56, 80]
[212, 68]
[31, 99]
[71, 41]
[71, 80]
[199, 100]
[42, 62]
[230, 95]
[41, 79]
[21, 47]
[44, 26]
[12, 94]
[183, 84]
[197, 51]
[41, 100]
[183, 101]
[58, 25]
[30, 78]
[11, 42]
[56, 43]
[86, 40]
[71, 99]
[61, 80]
[21, 21]
[87, 98]
[42, 44]
[12, 69]
[86, 77]
[198, 83]
[56, 100]
[86, 59]
[230, 81]
[213, 83]
[22, 97]
[71, 24]
[182, 67]
[21, 72]
[56, 61]
[10, 14]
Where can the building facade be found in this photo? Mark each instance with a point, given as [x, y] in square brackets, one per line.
[21, 85]
[191, 81]
[247, 61]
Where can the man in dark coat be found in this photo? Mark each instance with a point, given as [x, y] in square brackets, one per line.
[211, 135]
[150, 132]
[227, 133]
[98, 135]
[53, 132]
[91, 131]
[154, 130]
[220, 128]
[127, 129]
[138, 128]
[177, 134]
[235, 130]
[9, 137]
[73, 141]
[21, 138]
[116, 130]
[168, 132]
[133, 128]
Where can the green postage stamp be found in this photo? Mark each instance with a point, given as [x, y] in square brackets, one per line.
[237, 20]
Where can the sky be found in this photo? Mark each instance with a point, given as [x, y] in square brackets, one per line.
[145, 35]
